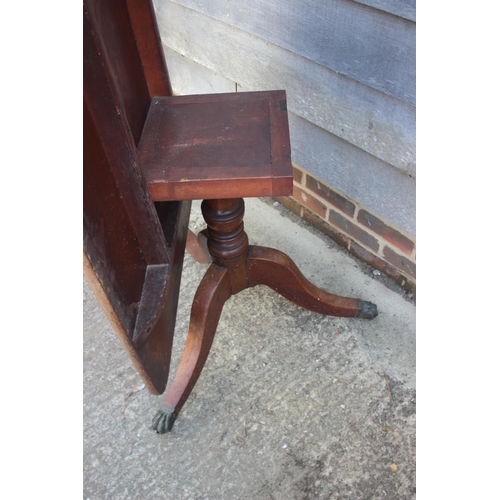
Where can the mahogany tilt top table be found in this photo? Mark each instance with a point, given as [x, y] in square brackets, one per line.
[147, 154]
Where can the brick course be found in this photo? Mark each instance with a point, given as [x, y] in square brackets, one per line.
[297, 175]
[376, 262]
[353, 227]
[310, 201]
[388, 233]
[400, 262]
[326, 228]
[327, 194]
[353, 230]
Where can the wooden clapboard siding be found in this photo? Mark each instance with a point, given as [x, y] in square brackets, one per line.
[188, 77]
[366, 44]
[370, 181]
[371, 120]
[355, 137]
[351, 170]
[401, 8]
[359, 175]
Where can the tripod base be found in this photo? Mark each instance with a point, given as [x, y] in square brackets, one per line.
[235, 267]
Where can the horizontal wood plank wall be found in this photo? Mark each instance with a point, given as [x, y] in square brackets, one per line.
[371, 120]
[351, 130]
[350, 38]
[371, 182]
[402, 8]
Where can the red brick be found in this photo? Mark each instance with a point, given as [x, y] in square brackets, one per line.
[309, 201]
[339, 238]
[289, 203]
[384, 267]
[354, 248]
[297, 175]
[402, 263]
[330, 196]
[407, 284]
[367, 256]
[353, 230]
[388, 233]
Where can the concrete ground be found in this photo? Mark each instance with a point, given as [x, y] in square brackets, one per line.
[290, 405]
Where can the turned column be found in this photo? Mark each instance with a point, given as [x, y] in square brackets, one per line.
[227, 241]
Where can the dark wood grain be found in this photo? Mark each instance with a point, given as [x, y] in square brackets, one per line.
[133, 249]
[212, 294]
[110, 241]
[100, 90]
[154, 294]
[217, 146]
[196, 244]
[270, 267]
[147, 37]
[120, 56]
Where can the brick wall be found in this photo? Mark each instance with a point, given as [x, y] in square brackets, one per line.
[361, 232]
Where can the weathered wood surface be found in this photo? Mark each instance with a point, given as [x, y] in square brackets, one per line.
[401, 8]
[370, 181]
[371, 120]
[359, 133]
[364, 178]
[189, 77]
[362, 43]
[373, 183]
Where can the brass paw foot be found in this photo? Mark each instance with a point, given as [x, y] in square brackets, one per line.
[367, 310]
[164, 419]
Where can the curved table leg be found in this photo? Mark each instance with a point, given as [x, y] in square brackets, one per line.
[212, 293]
[237, 266]
[267, 266]
[196, 245]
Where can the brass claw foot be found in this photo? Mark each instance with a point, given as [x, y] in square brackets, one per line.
[367, 310]
[164, 419]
